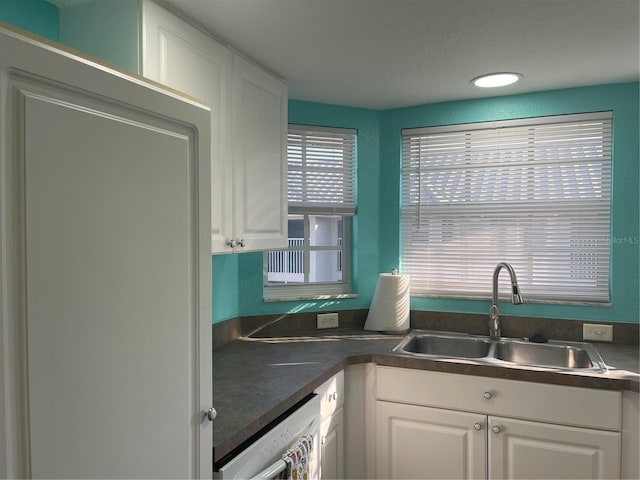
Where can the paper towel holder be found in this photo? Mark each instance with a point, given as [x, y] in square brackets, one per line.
[390, 307]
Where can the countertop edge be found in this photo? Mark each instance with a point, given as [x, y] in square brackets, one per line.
[516, 373]
[584, 380]
[233, 442]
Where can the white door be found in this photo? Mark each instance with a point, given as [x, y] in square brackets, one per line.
[429, 443]
[260, 163]
[176, 54]
[521, 449]
[106, 273]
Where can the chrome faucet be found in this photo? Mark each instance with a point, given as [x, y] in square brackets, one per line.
[516, 298]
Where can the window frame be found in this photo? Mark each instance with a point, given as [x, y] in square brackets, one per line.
[319, 290]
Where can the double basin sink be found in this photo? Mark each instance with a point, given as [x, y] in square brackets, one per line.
[570, 356]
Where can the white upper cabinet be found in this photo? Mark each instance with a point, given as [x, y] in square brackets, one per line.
[182, 57]
[248, 128]
[259, 157]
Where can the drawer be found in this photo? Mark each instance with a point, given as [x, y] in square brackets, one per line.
[584, 407]
[331, 394]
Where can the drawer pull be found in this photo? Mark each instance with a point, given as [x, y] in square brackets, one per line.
[487, 395]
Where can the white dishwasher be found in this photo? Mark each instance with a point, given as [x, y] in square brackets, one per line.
[262, 459]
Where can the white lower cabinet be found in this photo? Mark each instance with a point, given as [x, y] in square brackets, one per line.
[435, 425]
[332, 446]
[424, 442]
[630, 461]
[332, 427]
[523, 449]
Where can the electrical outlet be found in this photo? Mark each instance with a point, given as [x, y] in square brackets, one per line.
[597, 332]
[327, 320]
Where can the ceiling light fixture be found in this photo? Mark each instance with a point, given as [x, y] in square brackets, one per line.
[493, 80]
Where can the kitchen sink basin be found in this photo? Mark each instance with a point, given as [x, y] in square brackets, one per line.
[555, 355]
[546, 354]
[458, 347]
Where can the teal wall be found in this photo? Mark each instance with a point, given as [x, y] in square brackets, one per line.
[37, 16]
[622, 99]
[224, 283]
[106, 29]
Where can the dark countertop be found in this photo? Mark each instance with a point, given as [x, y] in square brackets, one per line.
[257, 379]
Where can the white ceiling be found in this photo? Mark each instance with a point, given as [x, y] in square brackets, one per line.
[382, 54]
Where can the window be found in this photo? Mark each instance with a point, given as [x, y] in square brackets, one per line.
[321, 193]
[534, 193]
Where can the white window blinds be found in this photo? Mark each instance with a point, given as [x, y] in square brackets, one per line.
[534, 193]
[321, 170]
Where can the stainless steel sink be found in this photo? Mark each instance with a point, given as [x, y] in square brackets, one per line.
[454, 346]
[546, 354]
[556, 355]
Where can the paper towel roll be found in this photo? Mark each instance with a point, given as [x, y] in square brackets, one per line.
[389, 310]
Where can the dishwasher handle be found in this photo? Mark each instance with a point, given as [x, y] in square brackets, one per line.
[280, 465]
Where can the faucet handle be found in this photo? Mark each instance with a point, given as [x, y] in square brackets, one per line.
[516, 297]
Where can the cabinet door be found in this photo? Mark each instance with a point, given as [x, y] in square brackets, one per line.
[260, 163]
[429, 443]
[332, 446]
[178, 55]
[522, 449]
[106, 314]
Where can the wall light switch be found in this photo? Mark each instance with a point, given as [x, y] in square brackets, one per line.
[327, 320]
[599, 333]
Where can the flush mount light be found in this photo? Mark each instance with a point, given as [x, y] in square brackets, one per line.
[493, 80]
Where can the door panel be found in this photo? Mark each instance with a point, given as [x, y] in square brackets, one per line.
[428, 443]
[332, 446]
[260, 164]
[524, 449]
[108, 267]
[106, 325]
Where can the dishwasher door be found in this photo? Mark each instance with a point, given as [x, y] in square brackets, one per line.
[267, 450]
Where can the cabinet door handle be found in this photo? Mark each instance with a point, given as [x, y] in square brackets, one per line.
[231, 243]
[211, 414]
[495, 429]
[487, 395]
[477, 426]
[333, 396]
[241, 242]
